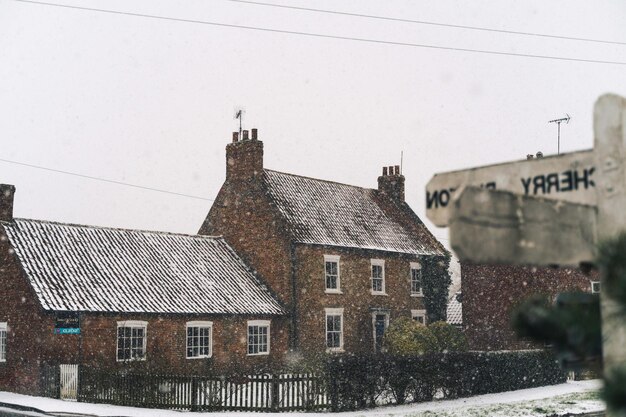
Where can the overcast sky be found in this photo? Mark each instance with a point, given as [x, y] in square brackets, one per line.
[151, 101]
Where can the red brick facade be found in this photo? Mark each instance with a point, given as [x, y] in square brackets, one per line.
[491, 292]
[245, 215]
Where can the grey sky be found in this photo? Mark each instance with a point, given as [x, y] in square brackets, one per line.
[151, 102]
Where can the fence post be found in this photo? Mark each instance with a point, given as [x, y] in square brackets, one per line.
[334, 392]
[275, 398]
[194, 394]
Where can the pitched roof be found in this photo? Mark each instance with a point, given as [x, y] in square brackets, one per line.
[83, 268]
[329, 213]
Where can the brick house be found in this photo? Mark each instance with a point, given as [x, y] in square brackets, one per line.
[142, 301]
[344, 260]
[491, 293]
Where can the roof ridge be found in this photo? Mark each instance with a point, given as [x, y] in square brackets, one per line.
[119, 229]
[319, 179]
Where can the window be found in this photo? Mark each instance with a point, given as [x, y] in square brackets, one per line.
[416, 279]
[259, 337]
[378, 276]
[131, 340]
[331, 274]
[595, 287]
[419, 316]
[334, 329]
[199, 339]
[3, 342]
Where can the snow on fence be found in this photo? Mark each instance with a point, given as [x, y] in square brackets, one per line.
[266, 392]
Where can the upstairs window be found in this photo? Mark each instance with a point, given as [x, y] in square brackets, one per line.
[378, 276]
[331, 274]
[334, 329]
[199, 339]
[258, 337]
[416, 279]
[3, 342]
[131, 340]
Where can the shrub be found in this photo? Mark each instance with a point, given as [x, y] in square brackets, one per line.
[449, 338]
[408, 337]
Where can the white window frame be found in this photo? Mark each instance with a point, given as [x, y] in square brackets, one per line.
[199, 325]
[381, 263]
[4, 335]
[594, 283]
[258, 323]
[419, 313]
[416, 266]
[332, 258]
[133, 324]
[334, 312]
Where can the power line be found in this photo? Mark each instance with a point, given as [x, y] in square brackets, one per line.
[326, 36]
[105, 180]
[425, 22]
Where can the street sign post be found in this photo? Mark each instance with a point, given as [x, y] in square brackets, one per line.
[522, 226]
[568, 177]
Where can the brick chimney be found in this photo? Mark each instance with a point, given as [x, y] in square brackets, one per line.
[244, 157]
[391, 183]
[7, 192]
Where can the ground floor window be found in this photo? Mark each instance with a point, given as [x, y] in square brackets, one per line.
[258, 337]
[199, 339]
[3, 342]
[131, 340]
[419, 316]
[334, 329]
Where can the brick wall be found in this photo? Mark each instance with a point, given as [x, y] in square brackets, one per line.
[20, 373]
[491, 292]
[356, 299]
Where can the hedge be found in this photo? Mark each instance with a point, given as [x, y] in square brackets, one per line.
[358, 382]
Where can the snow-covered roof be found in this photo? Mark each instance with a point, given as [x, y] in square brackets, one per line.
[455, 310]
[84, 268]
[328, 213]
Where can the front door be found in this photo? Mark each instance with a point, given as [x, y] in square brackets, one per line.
[380, 325]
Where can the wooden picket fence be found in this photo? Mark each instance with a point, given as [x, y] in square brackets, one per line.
[266, 392]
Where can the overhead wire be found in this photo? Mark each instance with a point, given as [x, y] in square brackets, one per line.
[8, 161]
[325, 36]
[425, 22]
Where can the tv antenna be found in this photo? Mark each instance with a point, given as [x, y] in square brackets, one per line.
[239, 112]
[558, 123]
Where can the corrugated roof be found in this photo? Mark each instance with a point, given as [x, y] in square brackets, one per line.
[329, 213]
[83, 268]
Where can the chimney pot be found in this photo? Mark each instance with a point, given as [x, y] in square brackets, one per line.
[384, 171]
[397, 169]
[7, 193]
[235, 137]
[539, 154]
[255, 133]
[530, 156]
[245, 135]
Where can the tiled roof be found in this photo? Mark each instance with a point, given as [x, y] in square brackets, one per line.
[455, 310]
[329, 213]
[82, 268]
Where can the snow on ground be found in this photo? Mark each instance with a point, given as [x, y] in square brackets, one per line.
[573, 397]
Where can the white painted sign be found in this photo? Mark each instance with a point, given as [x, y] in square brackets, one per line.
[569, 177]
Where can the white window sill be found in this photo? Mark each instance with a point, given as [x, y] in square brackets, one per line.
[333, 291]
[417, 295]
[335, 350]
[132, 360]
[259, 354]
[199, 357]
[379, 293]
